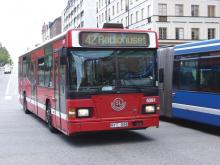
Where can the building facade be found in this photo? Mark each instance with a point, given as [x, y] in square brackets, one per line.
[51, 29]
[45, 32]
[55, 27]
[176, 21]
[79, 14]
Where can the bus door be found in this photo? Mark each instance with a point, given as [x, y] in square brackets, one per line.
[34, 86]
[57, 92]
[60, 91]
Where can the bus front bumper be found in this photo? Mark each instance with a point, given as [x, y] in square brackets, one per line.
[111, 125]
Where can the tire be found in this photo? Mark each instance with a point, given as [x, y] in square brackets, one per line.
[26, 111]
[49, 119]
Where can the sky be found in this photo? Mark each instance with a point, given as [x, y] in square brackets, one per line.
[21, 22]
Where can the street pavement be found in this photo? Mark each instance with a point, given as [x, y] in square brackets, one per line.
[26, 140]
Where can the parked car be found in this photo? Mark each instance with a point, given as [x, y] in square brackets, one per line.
[7, 69]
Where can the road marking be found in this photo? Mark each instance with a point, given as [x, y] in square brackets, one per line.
[8, 97]
[8, 85]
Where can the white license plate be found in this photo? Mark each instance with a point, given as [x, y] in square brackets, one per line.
[119, 125]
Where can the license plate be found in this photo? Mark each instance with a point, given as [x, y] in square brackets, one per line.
[119, 125]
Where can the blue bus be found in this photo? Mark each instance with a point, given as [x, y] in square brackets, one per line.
[195, 92]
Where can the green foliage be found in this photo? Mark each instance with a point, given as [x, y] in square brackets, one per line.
[4, 56]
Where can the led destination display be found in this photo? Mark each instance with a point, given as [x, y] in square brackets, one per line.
[111, 39]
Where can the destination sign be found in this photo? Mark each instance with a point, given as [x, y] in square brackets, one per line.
[113, 39]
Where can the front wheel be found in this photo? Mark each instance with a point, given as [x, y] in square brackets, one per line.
[49, 119]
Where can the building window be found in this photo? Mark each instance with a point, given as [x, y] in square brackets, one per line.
[126, 21]
[97, 19]
[211, 11]
[105, 15]
[179, 33]
[137, 16]
[97, 9]
[142, 13]
[163, 9]
[162, 33]
[195, 10]
[121, 5]
[131, 19]
[195, 33]
[102, 17]
[99, 3]
[148, 10]
[109, 11]
[113, 10]
[126, 6]
[118, 7]
[211, 33]
[179, 10]
[162, 19]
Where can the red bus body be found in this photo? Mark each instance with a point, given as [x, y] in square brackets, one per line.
[104, 113]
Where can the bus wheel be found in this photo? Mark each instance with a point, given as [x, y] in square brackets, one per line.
[25, 105]
[49, 119]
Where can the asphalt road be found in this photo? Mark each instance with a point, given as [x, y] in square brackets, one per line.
[25, 140]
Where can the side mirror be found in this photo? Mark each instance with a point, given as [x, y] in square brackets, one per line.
[161, 75]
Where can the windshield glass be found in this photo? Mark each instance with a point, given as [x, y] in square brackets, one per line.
[105, 70]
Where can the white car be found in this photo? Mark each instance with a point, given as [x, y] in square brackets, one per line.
[7, 69]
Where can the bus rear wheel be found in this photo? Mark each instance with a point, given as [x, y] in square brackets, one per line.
[26, 111]
[49, 119]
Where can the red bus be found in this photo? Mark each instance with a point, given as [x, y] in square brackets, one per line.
[92, 80]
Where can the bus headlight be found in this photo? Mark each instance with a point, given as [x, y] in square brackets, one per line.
[149, 109]
[83, 112]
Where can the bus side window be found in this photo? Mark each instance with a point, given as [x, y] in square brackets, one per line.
[41, 72]
[48, 67]
[25, 66]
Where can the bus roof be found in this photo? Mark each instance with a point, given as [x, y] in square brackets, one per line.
[198, 47]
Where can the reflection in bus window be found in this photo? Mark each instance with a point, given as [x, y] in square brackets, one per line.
[112, 68]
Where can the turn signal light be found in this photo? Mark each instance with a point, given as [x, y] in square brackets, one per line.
[72, 112]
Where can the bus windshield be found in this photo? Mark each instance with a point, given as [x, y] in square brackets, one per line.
[107, 70]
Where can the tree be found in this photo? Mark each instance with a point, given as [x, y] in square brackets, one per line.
[4, 56]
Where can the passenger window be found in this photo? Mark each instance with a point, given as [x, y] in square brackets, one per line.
[48, 67]
[41, 72]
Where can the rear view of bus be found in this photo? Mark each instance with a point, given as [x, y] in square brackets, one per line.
[105, 79]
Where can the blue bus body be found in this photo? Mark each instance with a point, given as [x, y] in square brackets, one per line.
[196, 82]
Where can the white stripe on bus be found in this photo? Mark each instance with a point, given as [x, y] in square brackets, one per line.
[197, 108]
[197, 46]
[43, 107]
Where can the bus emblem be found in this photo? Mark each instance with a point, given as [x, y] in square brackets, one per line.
[118, 104]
